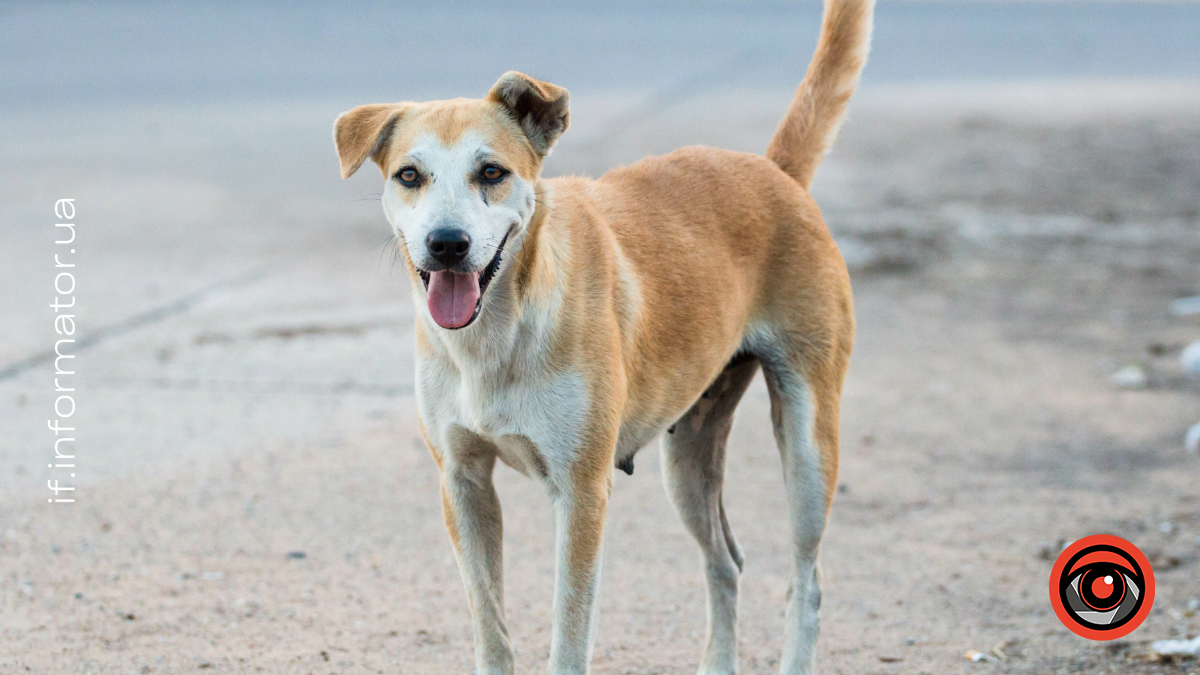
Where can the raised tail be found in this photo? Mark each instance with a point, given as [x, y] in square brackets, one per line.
[812, 121]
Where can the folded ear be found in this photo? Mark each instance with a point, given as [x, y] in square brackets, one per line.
[539, 107]
[364, 132]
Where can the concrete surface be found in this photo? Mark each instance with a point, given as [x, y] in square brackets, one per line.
[1016, 193]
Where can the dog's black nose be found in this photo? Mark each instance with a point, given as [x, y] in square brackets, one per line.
[448, 246]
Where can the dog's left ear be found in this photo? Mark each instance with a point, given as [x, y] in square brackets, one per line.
[364, 132]
[539, 107]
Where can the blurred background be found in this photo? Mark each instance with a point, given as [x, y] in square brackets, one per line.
[1016, 192]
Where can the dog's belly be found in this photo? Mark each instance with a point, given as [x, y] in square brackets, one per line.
[535, 421]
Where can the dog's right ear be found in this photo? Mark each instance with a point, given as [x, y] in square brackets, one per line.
[364, 132]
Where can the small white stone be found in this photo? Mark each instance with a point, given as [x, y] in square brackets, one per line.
[1186, 306]
[1130, 377]
[1190, 359]
[1184, 647]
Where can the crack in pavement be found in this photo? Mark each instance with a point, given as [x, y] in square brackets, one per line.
[249, 386]
[128, 325]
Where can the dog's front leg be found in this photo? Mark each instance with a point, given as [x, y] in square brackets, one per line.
[581, 504]
[472, 512]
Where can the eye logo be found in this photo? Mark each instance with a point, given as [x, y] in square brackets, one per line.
[1102, 587]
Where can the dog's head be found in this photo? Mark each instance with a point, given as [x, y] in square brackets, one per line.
[459, 181]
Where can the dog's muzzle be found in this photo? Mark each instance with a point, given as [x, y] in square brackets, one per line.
[456, 298]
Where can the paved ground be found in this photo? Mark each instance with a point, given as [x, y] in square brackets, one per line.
[248, 393]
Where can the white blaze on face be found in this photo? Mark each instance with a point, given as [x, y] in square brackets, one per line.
[452, 197]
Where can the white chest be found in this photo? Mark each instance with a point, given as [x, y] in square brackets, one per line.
[534, 419]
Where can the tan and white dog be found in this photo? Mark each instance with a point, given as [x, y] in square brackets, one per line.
[570, 321]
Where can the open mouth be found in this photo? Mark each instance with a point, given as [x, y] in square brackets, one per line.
[455, 299]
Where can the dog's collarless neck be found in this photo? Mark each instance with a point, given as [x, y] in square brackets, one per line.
[528, 264]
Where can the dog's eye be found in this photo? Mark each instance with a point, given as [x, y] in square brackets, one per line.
[409, 177]
[492, 174]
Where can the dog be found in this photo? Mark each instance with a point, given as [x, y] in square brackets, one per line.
[565, 323]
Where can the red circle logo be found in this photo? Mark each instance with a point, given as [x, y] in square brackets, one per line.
[1102, 587]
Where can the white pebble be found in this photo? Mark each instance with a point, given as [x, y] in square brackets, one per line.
[1182, 647]
[1190, 359]
[1191, 441]
[1186, 306]
[1130, 377]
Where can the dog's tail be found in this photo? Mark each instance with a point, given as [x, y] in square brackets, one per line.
[815, 114]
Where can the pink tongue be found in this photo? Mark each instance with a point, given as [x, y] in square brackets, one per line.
[452, 298]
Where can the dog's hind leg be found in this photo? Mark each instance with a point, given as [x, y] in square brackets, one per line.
[804, 412]
[693, 455]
